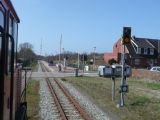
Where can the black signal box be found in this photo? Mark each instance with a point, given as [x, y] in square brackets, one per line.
[126, 35]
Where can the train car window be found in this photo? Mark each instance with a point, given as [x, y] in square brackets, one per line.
[2, 25]
[15, 39]
[0, 46]
[11, 26]
[15, 30]
[1, 19]
[10, 44]
[9, 55]
[15, 27]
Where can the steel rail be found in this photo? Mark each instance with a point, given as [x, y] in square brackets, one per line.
[55, 97]
[62, 113]
[73, 101]
[81, 111]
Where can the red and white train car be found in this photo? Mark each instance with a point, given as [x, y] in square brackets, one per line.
[11, 107]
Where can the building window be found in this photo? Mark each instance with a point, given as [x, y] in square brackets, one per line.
[137, 61]
[148, 51]
[145, 51]
[151, 51]
[142, 50]
[139, 51]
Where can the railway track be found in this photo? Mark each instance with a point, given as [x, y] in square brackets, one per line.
[64, 105]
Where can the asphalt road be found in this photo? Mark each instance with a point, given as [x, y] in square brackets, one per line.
[55, 73]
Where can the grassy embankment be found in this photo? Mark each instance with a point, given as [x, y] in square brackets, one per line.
[141, 103]
[33, 95]
[33, 100]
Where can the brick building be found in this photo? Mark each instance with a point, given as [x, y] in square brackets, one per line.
[141, 53]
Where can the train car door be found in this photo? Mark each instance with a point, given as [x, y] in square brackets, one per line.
[8, 72]
[2, 60]
[10, 65]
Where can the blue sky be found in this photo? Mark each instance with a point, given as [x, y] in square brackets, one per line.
[84, 23]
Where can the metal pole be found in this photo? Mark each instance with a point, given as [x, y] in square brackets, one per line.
[94, 55]
[41, 48]
[25, 85]
[123, 78]
[78, 60]
[60, 49]
[64, 60]
[83, 64]
[113, 88]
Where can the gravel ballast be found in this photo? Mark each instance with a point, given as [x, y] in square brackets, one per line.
[48, 110]
[93, 110]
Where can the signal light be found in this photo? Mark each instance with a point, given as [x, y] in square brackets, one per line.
[126, 35]
[84, 57]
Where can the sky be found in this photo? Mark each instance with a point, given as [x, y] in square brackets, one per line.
[84, 24]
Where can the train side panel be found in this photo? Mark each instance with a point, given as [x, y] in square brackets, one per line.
[9, 73]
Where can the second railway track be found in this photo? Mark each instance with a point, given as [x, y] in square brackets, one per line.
[65, 106]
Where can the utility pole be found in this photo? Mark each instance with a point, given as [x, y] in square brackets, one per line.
[94, 60]
[56, 59]
[64, 59]
[41, 48]
[78, 60]
[60, 49]
[94, 55]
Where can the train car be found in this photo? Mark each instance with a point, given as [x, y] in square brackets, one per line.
[10, 73]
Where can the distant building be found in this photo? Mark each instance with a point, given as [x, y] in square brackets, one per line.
[141, 53]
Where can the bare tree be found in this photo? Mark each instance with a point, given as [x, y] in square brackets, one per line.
[26, 53]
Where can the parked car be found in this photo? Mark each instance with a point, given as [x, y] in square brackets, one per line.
[155, 68]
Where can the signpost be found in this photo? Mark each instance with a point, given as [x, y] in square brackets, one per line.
[126, 39]
[120, 70]
[117, 72]
[25, 89]
[113, 82]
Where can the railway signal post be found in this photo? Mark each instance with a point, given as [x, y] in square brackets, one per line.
[26, 69]
[126, 40]
[113, 83]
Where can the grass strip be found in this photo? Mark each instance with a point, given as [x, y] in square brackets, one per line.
[33, 100]
[153, 86]
[137, 106]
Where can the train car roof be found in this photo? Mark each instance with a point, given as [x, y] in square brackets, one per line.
[8, 4]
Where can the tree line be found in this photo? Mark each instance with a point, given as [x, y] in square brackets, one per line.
[27, 56]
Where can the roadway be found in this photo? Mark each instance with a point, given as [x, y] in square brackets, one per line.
[64, 73]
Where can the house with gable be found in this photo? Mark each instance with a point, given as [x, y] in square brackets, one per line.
[141, 53]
